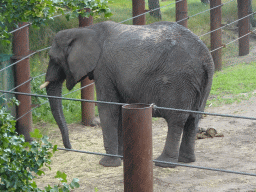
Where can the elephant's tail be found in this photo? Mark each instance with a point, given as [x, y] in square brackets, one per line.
[206, 85]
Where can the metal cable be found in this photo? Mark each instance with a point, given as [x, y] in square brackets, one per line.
[30, 79]
[205, 11]
[165, 162]
[24, 58]
[20, 28]
[31, 23]
[233, 41]
[203, 113]
[88, 152]
[228, 24]
[116, 103]
[39, 76]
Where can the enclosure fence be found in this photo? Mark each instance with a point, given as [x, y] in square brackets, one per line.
[223, 46]
[11, 91]
[154, 107]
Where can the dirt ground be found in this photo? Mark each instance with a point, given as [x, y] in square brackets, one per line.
[235, 151]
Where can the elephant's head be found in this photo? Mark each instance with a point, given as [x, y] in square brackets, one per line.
[74, 54]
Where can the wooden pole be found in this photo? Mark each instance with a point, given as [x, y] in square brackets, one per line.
[138, 163]
[88, 109]
[138, 7]
[22, 74]
[216, 36]
[243, 27]
[182, 12]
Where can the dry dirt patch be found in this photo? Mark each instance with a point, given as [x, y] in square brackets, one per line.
[235, 151]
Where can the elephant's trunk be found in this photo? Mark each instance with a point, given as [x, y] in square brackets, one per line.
[55, 89]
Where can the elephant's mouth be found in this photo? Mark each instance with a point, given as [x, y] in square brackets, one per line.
[70, 82]
[90, 75]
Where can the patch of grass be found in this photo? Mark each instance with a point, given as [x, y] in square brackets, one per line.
[233, 84]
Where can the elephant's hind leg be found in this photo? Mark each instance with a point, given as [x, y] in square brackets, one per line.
[187, 148]
[171, 150]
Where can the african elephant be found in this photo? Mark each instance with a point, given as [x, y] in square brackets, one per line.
[162, 63]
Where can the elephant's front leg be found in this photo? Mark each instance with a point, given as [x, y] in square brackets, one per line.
[109, 117]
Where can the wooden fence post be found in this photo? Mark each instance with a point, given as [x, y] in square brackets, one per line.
[216, 36]
[138, 163]
[182, 12]
[244, 27]
[88, 109]
[138, 7]
[22, 74]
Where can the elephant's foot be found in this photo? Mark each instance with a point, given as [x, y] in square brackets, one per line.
[167, 159]
[186, 158]
[110, 161]
[67, 145]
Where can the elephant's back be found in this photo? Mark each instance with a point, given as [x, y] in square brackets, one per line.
[146, 47]
[159, 59]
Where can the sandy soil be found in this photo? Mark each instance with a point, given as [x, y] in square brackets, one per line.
[235, 151]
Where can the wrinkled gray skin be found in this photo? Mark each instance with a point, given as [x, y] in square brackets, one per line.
[162, 63]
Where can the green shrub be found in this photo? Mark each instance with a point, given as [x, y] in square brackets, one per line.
[21, 162]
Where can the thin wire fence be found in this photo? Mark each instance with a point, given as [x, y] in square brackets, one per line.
[117, 103]
[154, 107]
[31, 23]
[164, 162]
[205, 11]
[223, 46]
[29, 80]
[228, 24]
[24, 58]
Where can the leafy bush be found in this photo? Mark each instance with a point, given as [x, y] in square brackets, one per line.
[40, 11]
[21, 162]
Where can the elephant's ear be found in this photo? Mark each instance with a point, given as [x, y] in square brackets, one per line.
[83, 53]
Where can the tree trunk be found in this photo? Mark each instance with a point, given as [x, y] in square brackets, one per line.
[153, 4]
[205, 1]
[252, 19]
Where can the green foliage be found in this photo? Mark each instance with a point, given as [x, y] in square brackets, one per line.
[233, 84]
[40, 11]
[21, 162]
